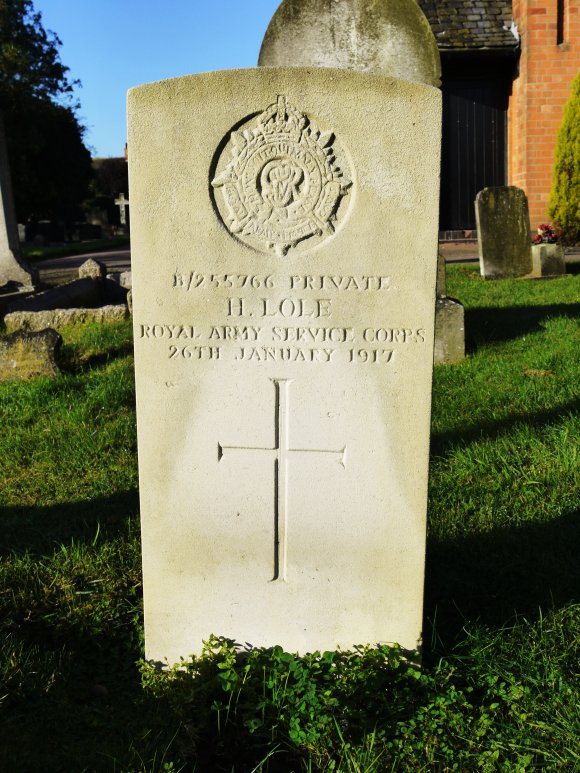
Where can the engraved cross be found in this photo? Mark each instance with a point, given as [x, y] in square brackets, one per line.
[280, 453]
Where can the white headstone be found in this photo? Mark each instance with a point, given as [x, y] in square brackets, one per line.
[284, 242]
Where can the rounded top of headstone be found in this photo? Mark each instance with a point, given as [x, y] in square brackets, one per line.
[390, 37]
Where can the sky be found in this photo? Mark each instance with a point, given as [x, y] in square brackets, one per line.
[112, 45]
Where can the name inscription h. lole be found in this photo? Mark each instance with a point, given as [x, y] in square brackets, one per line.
[280, 453]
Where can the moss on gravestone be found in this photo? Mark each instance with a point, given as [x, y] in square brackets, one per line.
[25, 355]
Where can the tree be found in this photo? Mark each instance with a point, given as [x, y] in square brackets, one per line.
[111, 177]
[51, 167]
[565, 196]
[29, 61]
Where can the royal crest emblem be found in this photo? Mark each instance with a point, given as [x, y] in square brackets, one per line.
[279, 181]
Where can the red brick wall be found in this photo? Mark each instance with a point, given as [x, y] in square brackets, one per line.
[540, 91]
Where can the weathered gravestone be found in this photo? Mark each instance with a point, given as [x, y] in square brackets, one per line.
[449, 344]
[284, 241]
[13, 269]
[548, 260]
[390, 37]
[503, 232]
[25, 355]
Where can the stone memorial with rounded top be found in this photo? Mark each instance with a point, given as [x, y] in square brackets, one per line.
[391, 37]
[503, 232]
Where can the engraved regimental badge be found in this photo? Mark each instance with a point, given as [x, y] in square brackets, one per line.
[280, 182]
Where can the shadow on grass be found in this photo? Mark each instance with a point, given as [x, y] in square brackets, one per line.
[443, 442]
[41, 529]
[485, 577]
[70, 362]
[94, 713]
[489, 325]
[490, 578]
[74, 694]
[95, 710]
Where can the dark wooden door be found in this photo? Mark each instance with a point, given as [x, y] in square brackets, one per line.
[474, 145]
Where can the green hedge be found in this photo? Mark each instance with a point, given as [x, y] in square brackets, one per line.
[564, 205]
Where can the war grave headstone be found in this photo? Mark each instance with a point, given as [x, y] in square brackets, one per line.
[503, 232]
[284, 234]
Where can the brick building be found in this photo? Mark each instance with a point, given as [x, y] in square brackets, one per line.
[508, 66]
[549, 62]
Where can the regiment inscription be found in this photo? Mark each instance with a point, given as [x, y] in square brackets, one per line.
[315, 340]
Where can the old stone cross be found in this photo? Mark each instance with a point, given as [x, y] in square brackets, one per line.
[122, 203]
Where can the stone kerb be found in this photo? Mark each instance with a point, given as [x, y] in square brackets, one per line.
[393, 38]
[59, 318]
[283, 316]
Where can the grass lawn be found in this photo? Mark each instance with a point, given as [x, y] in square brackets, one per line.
[36, 253]
[499, 688]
